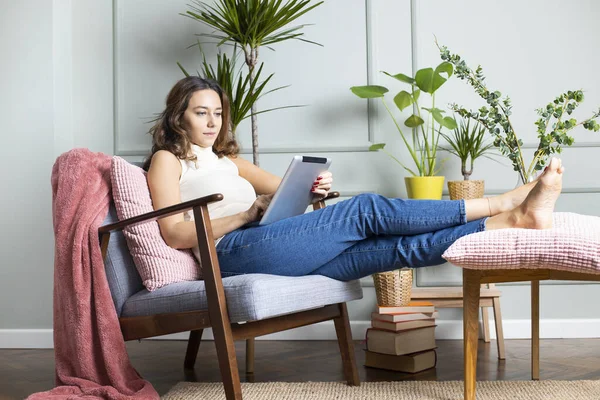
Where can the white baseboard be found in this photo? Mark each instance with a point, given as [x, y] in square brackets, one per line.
[446, 330]
[26, 339]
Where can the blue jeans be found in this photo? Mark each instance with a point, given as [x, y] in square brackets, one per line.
[349, 240]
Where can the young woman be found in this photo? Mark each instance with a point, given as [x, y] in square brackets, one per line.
[194, 155]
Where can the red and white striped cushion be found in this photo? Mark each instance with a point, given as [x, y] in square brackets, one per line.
[157, 263]
[573, 244]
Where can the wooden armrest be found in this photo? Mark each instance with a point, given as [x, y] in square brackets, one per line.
[331, 195]
[321, 203]
[163, 212]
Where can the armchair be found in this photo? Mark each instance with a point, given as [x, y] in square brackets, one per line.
[265, 303]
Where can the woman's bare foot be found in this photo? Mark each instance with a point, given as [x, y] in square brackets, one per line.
[535, 212]
[538, 206]
[510, 200]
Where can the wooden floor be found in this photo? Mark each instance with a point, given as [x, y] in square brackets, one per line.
[23, 372]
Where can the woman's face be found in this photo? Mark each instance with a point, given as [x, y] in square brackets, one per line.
[202, 118]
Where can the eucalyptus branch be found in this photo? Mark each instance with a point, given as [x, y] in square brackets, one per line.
[496, 117]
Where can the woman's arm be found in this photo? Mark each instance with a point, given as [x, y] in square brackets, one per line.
[267, 183]
[163, 181]
[262, 181]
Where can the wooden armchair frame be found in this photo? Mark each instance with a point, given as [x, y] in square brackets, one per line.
[472, 279]
[216, 317]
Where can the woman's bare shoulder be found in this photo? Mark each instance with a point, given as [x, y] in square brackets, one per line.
[164, 163]
[164, 156]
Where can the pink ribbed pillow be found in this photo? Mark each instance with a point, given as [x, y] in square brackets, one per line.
[573, 244]
[157, 263]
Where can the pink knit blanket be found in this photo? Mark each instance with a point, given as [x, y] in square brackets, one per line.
[90, 355]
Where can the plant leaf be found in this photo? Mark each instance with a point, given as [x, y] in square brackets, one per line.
[369, 92]
[449, 122]
[377, 146]
[424, 79]
[403, 100]
[183, 69]
[416, 95]
[413, 121]
[401, 78]
[439, 80]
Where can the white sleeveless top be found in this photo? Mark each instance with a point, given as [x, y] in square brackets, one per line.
[211, 174]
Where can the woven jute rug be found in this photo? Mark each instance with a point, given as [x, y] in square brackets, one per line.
[413, 390]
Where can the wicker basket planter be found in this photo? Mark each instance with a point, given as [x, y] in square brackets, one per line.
[465, 189]
[393, 288]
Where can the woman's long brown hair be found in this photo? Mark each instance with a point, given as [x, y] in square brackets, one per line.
[168, 132]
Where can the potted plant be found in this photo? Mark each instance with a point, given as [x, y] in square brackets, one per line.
[552, 126]
[252, 24]
[423, 182]
[468, 144]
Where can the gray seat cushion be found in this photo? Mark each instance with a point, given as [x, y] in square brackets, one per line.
[249, 297]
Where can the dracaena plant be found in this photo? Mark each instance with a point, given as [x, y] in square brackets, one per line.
[468, 143]
[241, 91]
[424, 143]
[252, 24]
[552, 127]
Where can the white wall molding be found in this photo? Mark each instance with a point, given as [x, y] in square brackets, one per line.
[121, 33]
[274, 150]
[446, 330]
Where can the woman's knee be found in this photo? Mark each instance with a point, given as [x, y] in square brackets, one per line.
[370, 201]
[367, 199]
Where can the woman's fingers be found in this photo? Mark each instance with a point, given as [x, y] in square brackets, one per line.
[325, 175]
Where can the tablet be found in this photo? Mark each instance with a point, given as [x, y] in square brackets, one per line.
[294, 194]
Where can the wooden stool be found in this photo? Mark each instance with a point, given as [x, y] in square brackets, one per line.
[472, 280]
[452, 297]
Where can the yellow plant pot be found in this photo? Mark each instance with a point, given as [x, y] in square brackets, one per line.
[424, 187]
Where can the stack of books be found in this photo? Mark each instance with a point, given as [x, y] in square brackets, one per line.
[402, 338]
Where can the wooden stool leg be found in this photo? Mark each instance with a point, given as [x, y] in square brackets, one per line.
[250, 356]
[471, 294]
[499, 330]
[535, 330]
[485, 320]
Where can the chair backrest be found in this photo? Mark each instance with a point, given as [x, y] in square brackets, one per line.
[123, 278]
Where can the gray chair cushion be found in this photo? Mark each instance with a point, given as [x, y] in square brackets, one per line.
[249, 297]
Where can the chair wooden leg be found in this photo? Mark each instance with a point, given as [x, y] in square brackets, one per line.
[344, 335]
[485, 321]
[192, 349]
[228, 364]
[535, 330]
[250, 356]
[499, 329]
[471, 294]
[217, 305]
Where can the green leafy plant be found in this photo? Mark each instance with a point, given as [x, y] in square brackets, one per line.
[552, 126]
[425, 138]
[241, 91]
[252, 24]
[468, 144]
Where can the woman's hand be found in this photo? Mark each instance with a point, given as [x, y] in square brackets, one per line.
[322, 186]
[258, 208]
